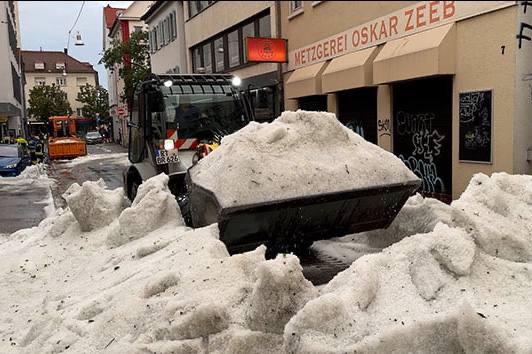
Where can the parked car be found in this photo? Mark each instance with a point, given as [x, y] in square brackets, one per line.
[13, 160]
[94, 138]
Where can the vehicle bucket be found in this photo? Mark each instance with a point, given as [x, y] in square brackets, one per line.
[299, 220]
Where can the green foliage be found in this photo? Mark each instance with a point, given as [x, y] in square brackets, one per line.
[95, 100]
[46, 101]
[132, 59]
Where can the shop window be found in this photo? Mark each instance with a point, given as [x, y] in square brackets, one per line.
[196, 57]
[313, 103]
[357, 110]
[263, 101]
[247, 31]
[265, 26]
[207, 58]
[219, 54]
[234, 49]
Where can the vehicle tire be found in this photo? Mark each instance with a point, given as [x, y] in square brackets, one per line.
[195, 159]
[133, 189]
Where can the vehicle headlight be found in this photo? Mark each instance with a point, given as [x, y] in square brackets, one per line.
[13, 165]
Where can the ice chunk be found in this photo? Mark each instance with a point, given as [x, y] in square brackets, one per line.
[279, 292]
[205, 320]
[295, 156]
[93, 206]
[153, 207]
[160, 284]
[246, 342]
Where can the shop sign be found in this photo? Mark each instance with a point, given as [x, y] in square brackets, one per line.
[409, 20]
[270, 50]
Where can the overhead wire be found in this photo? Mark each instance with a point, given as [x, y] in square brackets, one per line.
[75, 22]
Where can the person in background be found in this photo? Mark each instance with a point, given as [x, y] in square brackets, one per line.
[120, 136]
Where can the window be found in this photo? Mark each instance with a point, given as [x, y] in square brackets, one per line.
[207, 57]
[59, 66]
[79, 112]
[219, 54]
[233, 48]
[265, 26]
[296, 6]
[60, 81]
[137, 28]
[247, 31]
[166, 24]
[15, 77]
[81, 81]
[174, 25]
[39, 66]
[195, 7]
[40, 81]
[196, 57]
[155, 40]
[160, 36]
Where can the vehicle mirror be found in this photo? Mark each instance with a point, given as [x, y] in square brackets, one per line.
[156, 101]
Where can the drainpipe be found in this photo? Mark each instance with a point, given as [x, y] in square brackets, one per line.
[280, 85]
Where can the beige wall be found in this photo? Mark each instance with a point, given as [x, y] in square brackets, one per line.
[71, 88]
[330, 17]
[480, 66]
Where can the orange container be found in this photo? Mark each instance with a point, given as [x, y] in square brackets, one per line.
[62, 148]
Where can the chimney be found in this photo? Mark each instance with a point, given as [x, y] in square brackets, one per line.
[66, 51]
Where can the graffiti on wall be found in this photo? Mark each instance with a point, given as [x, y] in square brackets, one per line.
[384, 127]
[525, 28]
[427, 144]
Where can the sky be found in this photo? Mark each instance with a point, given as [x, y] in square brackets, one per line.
[46, 24]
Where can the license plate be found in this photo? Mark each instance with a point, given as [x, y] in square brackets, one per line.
[166, 156]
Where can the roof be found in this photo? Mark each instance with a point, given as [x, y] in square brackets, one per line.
[50, 58]
[110, 14]
[152, 9]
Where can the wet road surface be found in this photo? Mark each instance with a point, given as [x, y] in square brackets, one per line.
[106, 161]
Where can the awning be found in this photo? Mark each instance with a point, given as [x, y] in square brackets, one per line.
[428, 53]
[305, 81]
[350, 71]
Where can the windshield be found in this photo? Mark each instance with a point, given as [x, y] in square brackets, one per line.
[93, 135]
[204, 116]
[8, 151]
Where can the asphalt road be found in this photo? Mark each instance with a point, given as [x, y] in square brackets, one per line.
[107, 166]
[23, 201]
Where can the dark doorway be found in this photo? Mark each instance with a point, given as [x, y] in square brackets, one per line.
[313, 103]
[422, 132]
[357, 110]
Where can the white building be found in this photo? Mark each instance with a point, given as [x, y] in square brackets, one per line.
[166, 23]
[59, 68]
[125, 23]
[11, 93]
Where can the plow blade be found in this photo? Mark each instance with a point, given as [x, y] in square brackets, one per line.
[299, 220]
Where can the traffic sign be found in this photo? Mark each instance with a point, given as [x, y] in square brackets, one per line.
[121, 111]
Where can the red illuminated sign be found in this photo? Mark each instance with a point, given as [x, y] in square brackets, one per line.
[270, 50]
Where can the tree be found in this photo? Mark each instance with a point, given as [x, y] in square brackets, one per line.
[132, 59]
[46, 101]
[95, 101]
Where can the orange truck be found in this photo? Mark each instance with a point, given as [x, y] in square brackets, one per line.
[63, 141]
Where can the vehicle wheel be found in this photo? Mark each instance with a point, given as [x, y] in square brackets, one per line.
[195, 159]
[133, 189]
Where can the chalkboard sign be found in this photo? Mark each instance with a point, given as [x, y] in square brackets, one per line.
[475, 126]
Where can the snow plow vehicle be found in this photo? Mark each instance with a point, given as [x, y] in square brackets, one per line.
[63, 141]
[173, 111]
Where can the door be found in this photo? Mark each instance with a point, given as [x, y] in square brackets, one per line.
[422, 132]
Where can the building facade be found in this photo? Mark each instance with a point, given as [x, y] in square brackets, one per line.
[58, 68]
[444, 85]
[166, 26]
[125, 23]
[215, 35]
[11, 86]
